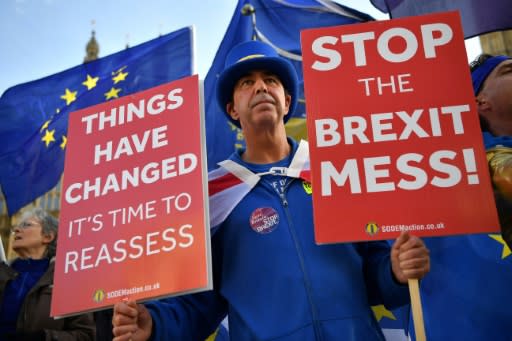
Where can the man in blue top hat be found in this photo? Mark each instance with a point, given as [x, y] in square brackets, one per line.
[270, 277]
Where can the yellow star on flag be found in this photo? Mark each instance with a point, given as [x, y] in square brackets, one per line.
[48, 137]
[69, 96]
[121, 76]
[64, 142]
[45, 125]
[213, 335]
[380, 311]
[506, 250]
[90, 82]
[113, 93]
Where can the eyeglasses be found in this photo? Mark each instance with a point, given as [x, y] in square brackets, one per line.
[25, 225]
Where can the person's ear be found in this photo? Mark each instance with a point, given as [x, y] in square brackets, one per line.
[482, 104]
[287, 102]
[48, 238]
[230, 109]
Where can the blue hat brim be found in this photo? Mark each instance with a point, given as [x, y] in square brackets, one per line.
[282, 68]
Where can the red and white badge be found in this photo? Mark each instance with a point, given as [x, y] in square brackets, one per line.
[264, 220]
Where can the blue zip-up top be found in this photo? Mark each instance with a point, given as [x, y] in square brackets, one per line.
[275, 283]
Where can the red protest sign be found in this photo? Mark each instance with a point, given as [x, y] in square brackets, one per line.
[393, 131]
[132, 220]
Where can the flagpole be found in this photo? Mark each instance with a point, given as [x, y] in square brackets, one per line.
[3, 258]
[417, 311]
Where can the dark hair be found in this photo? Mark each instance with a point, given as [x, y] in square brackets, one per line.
[479, 60]
[475, 64]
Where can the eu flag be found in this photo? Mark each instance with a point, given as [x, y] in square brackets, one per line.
[278, 23]
[478, 16]
[34, 115]
[466, 295]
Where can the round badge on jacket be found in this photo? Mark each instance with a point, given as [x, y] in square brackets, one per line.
[264, 220]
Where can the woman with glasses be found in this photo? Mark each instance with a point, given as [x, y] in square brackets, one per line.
[26, 286]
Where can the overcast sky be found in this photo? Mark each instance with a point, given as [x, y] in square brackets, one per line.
[42, 37]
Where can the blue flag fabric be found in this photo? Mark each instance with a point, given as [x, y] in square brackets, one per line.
[394, 323]
[478, 16]
[34, 115]
[466, 295]
[276, 22]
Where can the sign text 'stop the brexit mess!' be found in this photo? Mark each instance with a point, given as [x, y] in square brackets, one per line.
[394, 134]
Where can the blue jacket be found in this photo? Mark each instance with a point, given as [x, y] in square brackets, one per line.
[275, 283]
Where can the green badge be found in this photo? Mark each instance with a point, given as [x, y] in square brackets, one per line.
[307, 187]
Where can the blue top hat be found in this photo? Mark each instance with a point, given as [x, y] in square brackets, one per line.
[255, 55]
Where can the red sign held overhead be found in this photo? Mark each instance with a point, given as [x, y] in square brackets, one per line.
[132, 221]
[393, 131]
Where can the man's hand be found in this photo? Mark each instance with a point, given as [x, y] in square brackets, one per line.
[131, 322]
[409, 258]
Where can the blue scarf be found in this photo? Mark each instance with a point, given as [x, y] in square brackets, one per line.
[491, 141]
[29, 272]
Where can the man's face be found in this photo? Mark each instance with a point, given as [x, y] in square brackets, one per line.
[259, 100]
[495, 99]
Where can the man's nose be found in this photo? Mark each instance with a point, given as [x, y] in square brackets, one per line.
[261, 86]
